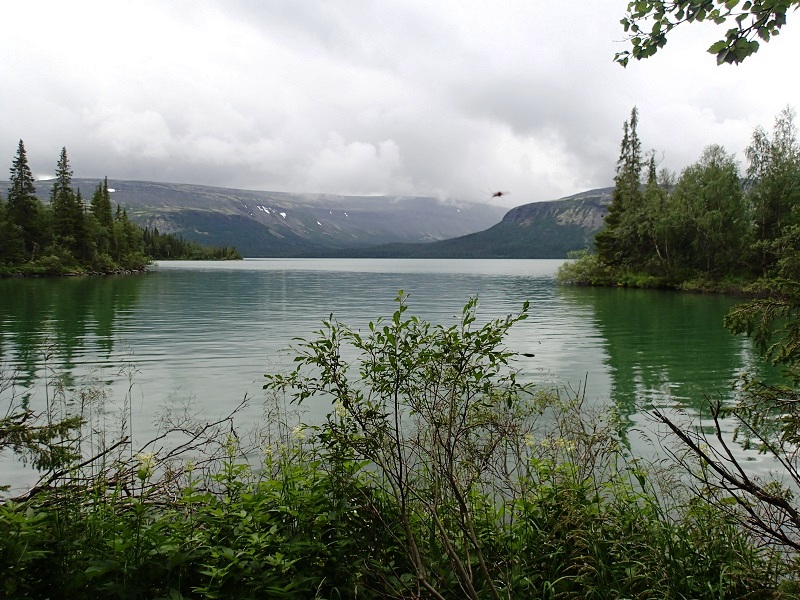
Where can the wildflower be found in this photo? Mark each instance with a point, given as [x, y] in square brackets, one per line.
[147, 461]
[339, 409]
[299, 432]
[529, 440]
[568, 445]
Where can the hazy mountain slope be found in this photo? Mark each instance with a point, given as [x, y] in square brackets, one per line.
[536, 230]
[284, 224]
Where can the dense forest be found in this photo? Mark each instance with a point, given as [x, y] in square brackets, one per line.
[70, 235]
[708, 228]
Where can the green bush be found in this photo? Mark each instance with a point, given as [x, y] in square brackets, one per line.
[585, 268]
[435, 475]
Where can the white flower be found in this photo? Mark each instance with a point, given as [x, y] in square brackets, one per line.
[339, 409]
[299, 432]
[147, 461]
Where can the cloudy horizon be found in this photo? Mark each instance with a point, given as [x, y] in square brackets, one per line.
[450, 99]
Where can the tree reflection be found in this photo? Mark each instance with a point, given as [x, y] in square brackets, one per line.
[666, 348]
[60, 320]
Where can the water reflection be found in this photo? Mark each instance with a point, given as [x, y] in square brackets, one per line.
[211, 330]
[666, 348]
[61, 321]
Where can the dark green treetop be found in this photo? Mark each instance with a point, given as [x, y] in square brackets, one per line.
[21, 177]
[618, 242]
[24, 209]
[66, 206]
[101, 205]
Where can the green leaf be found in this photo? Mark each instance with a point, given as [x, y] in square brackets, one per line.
[717, 47]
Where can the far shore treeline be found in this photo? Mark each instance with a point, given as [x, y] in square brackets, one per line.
[708, 229]
[70, 236]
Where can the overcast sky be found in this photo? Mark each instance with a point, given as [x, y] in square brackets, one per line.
[449, 98]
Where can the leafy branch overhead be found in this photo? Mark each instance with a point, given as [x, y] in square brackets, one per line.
[648, 23]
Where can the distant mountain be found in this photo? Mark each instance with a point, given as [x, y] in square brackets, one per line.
[536, 230]
[280, 224]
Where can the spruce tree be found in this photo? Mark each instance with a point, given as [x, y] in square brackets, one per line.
[100, 210]
[67, 207]
[620, 242]
[24, 208]
[101, 205]
[119, 238]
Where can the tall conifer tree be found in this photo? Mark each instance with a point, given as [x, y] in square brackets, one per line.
[23, 206]
[101, 205]
[619, 242]
[67, 208]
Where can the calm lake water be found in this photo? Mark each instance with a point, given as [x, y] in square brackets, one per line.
[208, 332]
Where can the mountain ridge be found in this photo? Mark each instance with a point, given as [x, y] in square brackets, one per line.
[549, 229]
[286, 224]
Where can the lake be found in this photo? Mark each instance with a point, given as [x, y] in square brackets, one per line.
[206, 333]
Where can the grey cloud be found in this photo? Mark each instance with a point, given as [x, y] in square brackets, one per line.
[399, 97]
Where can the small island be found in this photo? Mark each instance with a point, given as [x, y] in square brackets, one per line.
[69, 236]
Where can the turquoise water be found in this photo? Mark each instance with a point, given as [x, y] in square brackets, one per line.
[204, 334]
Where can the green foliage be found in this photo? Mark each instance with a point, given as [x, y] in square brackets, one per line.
[64, 238]
[42, 443]
[433, 409]
[711, 233]
[649, 22]
[710, 213]
[173, 247]
[774, 175]
[24, 210]
[436, 475]
[708, 230]
[771, 413]
[101, 205]
[620, 242]
[586, 268]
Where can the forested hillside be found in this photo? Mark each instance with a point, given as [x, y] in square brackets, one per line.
[70, 235]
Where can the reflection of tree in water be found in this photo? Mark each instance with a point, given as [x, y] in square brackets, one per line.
[60, 319]
[666, 347]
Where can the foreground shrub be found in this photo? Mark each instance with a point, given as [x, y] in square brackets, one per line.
[436, 474]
